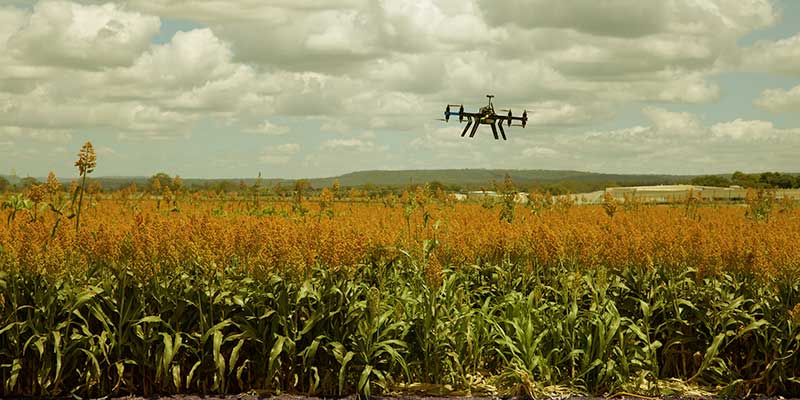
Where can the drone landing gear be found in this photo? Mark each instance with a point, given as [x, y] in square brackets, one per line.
[494, 131]
[475, 125]
[502, 132]
[466, 128]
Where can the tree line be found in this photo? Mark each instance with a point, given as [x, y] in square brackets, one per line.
[763, 180]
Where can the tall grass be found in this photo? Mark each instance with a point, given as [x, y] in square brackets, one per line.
[484, 329]
[417, 294]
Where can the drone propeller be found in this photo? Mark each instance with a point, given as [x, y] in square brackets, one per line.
[524, 118]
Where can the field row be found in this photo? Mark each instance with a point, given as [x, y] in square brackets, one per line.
[347, 236]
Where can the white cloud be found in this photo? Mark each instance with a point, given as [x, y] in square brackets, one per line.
[6, 145]
[280, 154]
[678, 142]
[538, 152]
[448, 139]
[106, 151]
[161, 94]
[558, 113]
[61, 33]
[779, 100]
[781, 56]
[348, 145]
[337, 125]
[673, 123]
[749, 130]
[360, 64]
[384, 66]
[613, 18]
[268, 128]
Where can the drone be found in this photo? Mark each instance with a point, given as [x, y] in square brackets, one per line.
[486, 116]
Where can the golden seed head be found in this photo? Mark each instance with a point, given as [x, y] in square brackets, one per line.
[53, 185]
[37, 192]
[87, 159]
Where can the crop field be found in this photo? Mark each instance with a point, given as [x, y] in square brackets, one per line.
[179, 292]
[400, 200]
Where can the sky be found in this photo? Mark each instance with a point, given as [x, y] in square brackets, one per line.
[312, 88]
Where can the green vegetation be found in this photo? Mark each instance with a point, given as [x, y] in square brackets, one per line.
[381, 183]
[506, 329]
[764, 180]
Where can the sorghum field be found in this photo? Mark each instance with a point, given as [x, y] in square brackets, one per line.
[328, 295]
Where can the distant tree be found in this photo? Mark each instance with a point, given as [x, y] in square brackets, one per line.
[164, 180]
[223, 186]
[509, 192]
[555, 189]
[335, 188]
[711, 180]
[177, 183]
[4, 184]
[369, 190]
[27, 182]
[301, 186]
[777, 180]
[746, 180]
[95, 187]
[436, 185]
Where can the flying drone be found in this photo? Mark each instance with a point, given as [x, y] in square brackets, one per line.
[485, 116]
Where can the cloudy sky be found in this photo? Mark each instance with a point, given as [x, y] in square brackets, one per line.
[308, 88]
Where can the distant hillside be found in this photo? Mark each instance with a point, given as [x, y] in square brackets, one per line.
[451, 179]
[479, 177]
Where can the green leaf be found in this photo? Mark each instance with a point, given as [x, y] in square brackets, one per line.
[363, 381]
[149, 319]
[57, 347]
[235, 355]
[176, 376]
[191, 374]
[218, 359]
[218, 327]
[342, 371]
[16, 368]
[86, 295]
[277, 348]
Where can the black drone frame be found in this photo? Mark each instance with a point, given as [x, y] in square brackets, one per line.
[486, 116]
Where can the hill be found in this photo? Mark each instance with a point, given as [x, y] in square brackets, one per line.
[485, 177]
[557, 181]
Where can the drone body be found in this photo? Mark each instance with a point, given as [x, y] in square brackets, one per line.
[485, 116]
